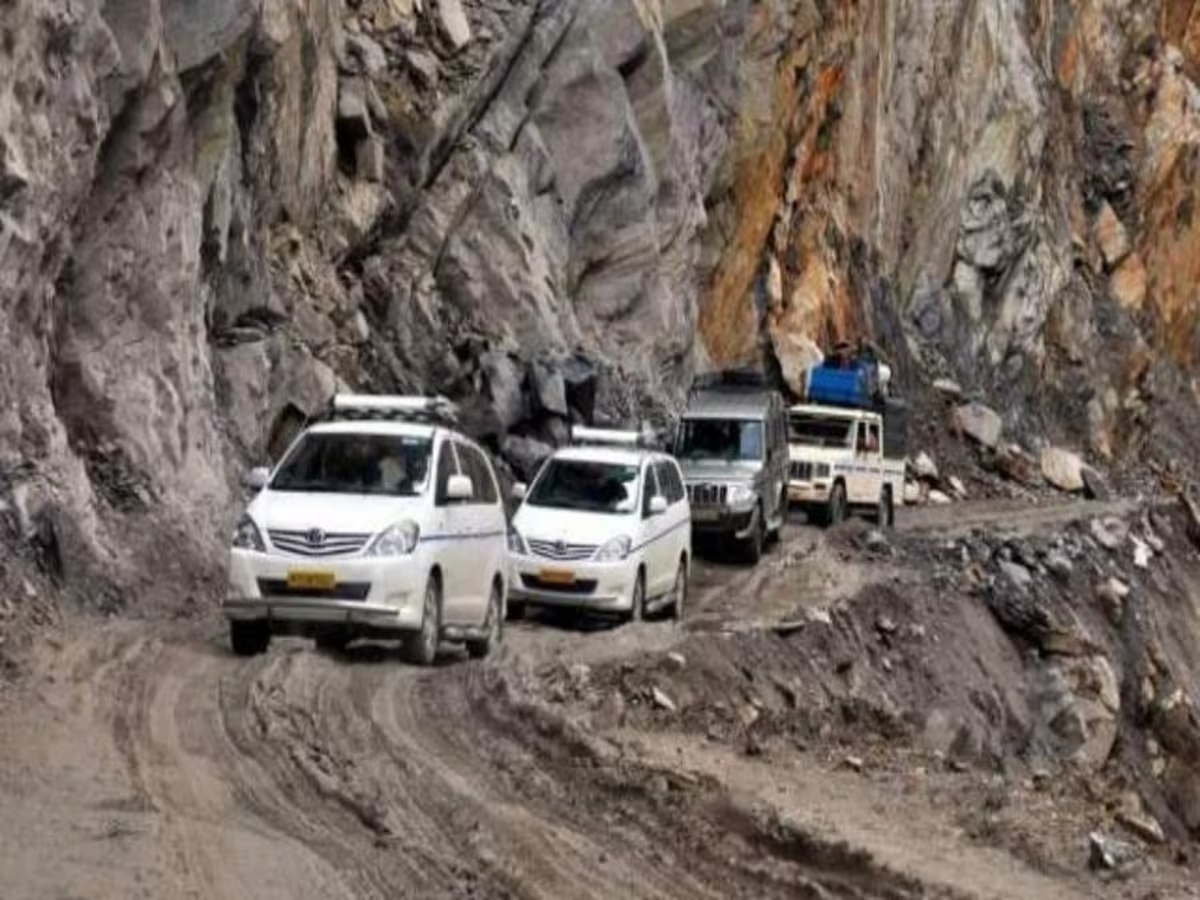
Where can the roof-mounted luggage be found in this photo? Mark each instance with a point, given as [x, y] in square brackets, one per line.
[582, 436]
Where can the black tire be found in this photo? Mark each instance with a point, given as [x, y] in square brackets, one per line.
[752, 545]
[333, 641]
[249, 638]
[637, 611]
[679, 592]
[835, 510]
[516, 611]
[775, 535]
[421, 648]
[885, 515]
[493, 626]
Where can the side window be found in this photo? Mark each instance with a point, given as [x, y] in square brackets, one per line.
[649, 489]
[669, 481]
[475, 466]
[447, 465]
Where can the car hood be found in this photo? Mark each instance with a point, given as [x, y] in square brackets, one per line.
[333, 513]
[719, 471]
[546, 523]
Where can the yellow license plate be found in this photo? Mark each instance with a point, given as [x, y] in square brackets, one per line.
[307, 580]
[557, 576]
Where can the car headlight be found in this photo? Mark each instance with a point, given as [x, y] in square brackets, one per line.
[247, 536]
[516, 543]
[739, 494]
[615, 550]
[398, 540]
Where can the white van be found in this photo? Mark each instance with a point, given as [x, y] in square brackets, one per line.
[605, 526]
[383, 521]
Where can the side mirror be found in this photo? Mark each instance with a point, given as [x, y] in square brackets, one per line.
[256, 479]
[460, 488]
[658, 505]
[519, 490]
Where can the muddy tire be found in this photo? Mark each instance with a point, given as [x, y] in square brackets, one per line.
[421, 648]
[493, 626]
[835, 509]
[752, 546]
[249, 638]
[637, 611]
[333, 641]
[775, 535]
[885, 514]
[516, 611]
[679, 592]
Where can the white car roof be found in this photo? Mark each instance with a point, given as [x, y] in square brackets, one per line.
[618, 456]
[366, 426]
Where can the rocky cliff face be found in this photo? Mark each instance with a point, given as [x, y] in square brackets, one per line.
[214, 214]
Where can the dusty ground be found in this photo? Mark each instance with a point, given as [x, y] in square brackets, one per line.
[141, 759]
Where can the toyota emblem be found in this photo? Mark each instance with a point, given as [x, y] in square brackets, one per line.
[560, 546]
[316, 537]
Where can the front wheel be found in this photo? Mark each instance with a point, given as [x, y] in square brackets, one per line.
[637, 608]
[250, 638]
[679, 592]
[775, 535]
[752, 547]
[421, 648]
[835, 511]
[492, 627]
[885, 515]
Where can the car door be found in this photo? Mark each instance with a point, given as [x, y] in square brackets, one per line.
[653, 533]
[448, 533]
[484, 542]
[677, 541]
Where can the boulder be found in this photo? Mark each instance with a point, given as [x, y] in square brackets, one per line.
[979, 423]
[924, 467]
[1016, 575]
[504, 384]
[940, 498]
[353, 113]
[451, 22]
[1085, 701]
[1063, 469]
[956, 485]
[948, 388]
[369, 159]
[549, 388]
[1094, 485]
[1111, 594]
[525, 455]
[1058, 565]
[367, 53]
[1110, 532]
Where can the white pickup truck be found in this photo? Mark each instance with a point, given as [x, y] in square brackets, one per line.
[839, 464]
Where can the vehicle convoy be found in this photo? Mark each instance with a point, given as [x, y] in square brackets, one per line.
[847, 443]
[603, 527]
[382, 520]
[732, 445]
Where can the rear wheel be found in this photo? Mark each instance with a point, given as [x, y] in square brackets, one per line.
[776, 533]
[250, 638]
[885, 515]
[421, 648]
[752, 546]
[492, 627]
[679, 592]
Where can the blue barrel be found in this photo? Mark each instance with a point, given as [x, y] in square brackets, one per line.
[853, 387]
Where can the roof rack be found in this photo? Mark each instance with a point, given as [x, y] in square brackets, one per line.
[394, 408]
[613, 437]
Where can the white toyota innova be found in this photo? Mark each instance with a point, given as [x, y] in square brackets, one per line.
[383, 521]
[605, 526]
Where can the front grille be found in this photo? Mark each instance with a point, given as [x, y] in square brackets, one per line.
[316, 543]
[561, 551]
[350, 590]
[579, 588]
[802, 471]
[707, 494]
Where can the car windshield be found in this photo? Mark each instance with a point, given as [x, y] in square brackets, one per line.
[723, 439]
[389, 465]
[586, 486]
[820, 431]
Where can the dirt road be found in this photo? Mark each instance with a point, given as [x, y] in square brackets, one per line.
[143, 760]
